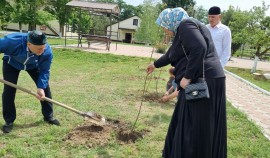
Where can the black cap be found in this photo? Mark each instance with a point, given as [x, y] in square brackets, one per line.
[214, 11]
[37, 38]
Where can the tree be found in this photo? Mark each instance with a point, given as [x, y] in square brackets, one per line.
[227, 15]
[127, 11]
[81, 22]
[100, 24]
[5, 13]
[236, 20]
[149, 32]
[259, 37]
[250, 27]
[201, 14]
[31, 14]
[20, 15]
[185, 4]
[266, 22]
[61, 11]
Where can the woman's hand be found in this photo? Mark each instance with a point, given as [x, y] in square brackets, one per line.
[184, 82]
[165, 98]
[40, 94]
[150, 68]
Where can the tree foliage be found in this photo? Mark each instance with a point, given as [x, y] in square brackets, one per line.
[5, 13]
[31, 14]
[59, 9]
[257, 35]
[126, 10]
[250, 27]
[237, 21]
[185, 4]
[81, 22]
[149, 32]
[201, 14]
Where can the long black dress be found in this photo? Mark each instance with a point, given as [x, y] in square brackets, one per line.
[198, 128]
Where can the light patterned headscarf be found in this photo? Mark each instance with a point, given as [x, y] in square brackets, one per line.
[170, 18]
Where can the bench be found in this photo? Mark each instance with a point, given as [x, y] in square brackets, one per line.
[98, 39]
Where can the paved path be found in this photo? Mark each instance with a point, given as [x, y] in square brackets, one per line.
[246, 63]
[254, 103]
[250, 101]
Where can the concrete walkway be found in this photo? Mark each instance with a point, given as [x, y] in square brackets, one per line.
[249, 100]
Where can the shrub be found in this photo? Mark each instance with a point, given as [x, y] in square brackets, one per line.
[161, 48]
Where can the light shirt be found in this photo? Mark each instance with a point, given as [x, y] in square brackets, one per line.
[222, 39]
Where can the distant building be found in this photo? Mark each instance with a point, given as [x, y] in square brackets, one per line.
[51, 29]
[126, 29]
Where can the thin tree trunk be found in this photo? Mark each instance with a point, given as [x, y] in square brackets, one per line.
[31, 27]
[253, 70]
[61, 33]
[20, 26]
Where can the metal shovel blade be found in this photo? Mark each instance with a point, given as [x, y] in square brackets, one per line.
[94, 116]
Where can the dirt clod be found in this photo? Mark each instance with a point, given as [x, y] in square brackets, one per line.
[129, 136]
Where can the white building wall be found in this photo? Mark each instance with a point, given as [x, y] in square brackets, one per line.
[113, 32]
[126, 26]
[53, 24]
[128, 23]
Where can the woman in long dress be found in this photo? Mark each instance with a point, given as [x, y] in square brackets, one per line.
[198, 128]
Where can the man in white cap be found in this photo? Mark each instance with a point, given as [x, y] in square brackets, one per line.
[221, 35]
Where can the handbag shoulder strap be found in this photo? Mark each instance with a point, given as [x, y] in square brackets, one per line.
[205, 41]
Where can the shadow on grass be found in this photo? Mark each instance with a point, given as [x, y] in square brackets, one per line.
[21, 126]
[159, 118]
[28, 125]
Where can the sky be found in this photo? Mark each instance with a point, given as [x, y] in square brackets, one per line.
[223, 4]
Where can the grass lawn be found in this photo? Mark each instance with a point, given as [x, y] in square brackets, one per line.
[61, 41]
[245, 73]
[112, 86]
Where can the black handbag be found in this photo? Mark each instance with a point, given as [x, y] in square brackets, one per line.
[198, 89]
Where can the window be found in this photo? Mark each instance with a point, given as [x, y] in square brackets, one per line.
[135, 22]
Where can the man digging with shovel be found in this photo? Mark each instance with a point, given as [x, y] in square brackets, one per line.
[29, 52]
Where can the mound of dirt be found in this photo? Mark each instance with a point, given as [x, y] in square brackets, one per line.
[153, 97]
[92, 135]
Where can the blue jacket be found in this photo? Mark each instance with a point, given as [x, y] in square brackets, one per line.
[17, 54]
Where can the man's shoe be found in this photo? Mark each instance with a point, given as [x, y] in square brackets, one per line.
[7, 127]
[52, 121]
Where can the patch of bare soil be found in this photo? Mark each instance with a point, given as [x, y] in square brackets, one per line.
[92, 135]
[153, 97]
[2, 145]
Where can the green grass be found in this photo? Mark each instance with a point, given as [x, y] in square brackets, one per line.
[112, 86]
[244, 138]
[245, 73]
[61, 41]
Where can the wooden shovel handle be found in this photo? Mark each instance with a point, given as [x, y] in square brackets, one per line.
[44, 98]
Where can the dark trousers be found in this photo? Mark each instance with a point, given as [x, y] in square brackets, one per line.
[11, 74]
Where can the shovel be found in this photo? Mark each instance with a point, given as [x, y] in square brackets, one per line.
[92, 116]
